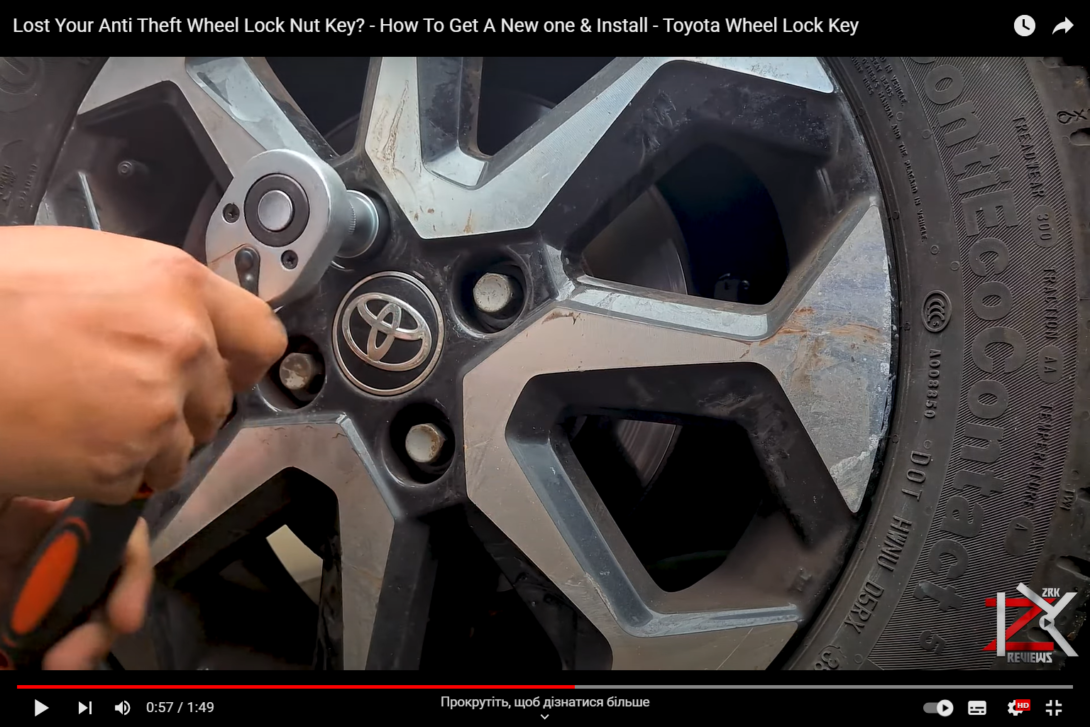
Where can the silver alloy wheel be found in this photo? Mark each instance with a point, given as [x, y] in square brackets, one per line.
[825, 341]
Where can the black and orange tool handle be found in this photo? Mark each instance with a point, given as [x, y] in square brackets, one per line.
[68, 576]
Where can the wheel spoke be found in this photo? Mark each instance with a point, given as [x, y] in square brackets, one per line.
[830, 354]
[548, 510]
[238, 106]
[71, 206]
[187, 531]
[450, 91]
[415, 132]
[549, 521]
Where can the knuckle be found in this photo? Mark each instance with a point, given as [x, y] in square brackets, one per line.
[161, 413]
[108, 468]
[186, 342]
[178, 265]
[113, 476]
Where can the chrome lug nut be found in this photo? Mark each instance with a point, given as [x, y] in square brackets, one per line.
[369, 226]
[496, 294]
[424, 443]
[299, 370]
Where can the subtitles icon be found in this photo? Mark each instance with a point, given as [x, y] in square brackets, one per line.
[978, 709]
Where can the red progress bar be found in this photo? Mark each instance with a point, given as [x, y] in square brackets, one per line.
[297, 686]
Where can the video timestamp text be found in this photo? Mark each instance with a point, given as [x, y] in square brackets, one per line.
[180, 707]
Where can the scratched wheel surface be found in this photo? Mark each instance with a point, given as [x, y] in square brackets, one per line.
[649, 363]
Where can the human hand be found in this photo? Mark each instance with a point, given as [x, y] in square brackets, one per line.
[119, 357]
[24, 522]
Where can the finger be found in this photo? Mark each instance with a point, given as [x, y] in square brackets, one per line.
[167, 467]
[127, 603]
[81, 650]
[250, 336]
[210, 398]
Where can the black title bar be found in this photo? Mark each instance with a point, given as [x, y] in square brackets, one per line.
[877, 31]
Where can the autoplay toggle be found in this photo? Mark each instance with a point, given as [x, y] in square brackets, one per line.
[945, 708]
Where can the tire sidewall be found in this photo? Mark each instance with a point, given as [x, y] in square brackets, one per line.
[936, 546]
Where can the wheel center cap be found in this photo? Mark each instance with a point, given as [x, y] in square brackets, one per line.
[388, 333]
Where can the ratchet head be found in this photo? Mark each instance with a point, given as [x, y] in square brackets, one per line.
[281, 222]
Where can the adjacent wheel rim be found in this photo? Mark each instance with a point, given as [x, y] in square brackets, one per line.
[807, 374]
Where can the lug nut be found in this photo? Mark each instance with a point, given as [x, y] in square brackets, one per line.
[299, 370]
[497, 294]
[369, 228]
[424, 443]
[129, 168]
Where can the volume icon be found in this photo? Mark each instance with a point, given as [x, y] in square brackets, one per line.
[122, 707]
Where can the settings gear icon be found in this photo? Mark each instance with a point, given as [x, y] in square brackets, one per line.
[1011, 708]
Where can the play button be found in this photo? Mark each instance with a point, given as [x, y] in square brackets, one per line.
[39, 707]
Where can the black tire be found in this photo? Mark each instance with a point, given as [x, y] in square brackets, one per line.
[885, 613]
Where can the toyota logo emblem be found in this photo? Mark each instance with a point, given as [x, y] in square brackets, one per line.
[385, 325]
[388, 333]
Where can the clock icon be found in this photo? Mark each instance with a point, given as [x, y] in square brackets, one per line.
[1025, 25]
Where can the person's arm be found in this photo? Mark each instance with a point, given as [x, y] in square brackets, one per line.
[117, 357]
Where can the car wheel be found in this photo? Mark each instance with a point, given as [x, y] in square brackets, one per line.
[649, 363]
